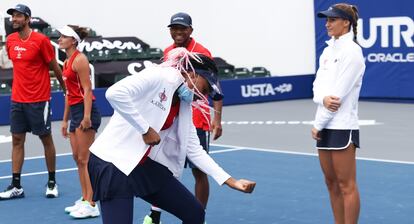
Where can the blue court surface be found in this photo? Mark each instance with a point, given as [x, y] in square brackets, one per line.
[290, 189]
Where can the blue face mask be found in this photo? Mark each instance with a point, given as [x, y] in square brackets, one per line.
[185, 94]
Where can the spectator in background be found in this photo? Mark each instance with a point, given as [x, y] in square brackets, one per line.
[336, 92]
[5, 62]
[32, 55]
[85, 118]
[181, 30]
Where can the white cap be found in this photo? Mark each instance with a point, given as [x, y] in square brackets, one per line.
[69, 32]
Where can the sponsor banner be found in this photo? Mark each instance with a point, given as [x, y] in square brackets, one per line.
[239, 91]
[106, 44]
[254, 90]
[385, 32]
[109, 43]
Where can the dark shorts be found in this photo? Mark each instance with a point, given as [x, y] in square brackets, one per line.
[76, 116]
[204, 137]
[30, 117]
[332, 139]
[108, 182]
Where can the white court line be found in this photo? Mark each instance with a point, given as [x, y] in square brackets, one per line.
[69, 154]
[40, 173]
[36, 157]
[226, 150]
[311, 154]
[72, 169]
[294, 122]
[232, 148]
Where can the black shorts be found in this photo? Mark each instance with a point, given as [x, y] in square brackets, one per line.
[204, 137]
[332, 139]
[76, 116]
[30, 117]
[108, 182]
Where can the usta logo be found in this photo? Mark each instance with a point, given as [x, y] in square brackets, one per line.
[264, 89]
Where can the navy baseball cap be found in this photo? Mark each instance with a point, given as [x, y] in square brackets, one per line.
[207, 69]
[181, 18]
[24, 9]
[335, 13]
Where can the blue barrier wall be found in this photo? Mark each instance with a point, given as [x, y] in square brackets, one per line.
[242, 91]
[239, 91]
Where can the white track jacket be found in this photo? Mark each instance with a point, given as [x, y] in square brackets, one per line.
[144, 100]
[341, 67]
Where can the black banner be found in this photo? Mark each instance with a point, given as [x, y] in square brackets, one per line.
[107, 73]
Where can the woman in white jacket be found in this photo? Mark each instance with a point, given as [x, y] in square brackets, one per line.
[142, 150]
[336, 92]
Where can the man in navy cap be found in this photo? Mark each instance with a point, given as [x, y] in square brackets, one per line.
[23, 9]
[32, 55]
[181, 30]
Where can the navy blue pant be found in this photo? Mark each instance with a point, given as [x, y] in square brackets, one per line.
[173, 197]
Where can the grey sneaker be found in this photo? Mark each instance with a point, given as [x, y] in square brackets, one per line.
[12, 192]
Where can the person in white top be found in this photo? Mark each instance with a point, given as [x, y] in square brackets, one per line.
[143, 148]
[5, 62]
[336, 92]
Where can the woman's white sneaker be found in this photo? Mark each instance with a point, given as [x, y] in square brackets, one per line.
[75, 206]
[85, 210]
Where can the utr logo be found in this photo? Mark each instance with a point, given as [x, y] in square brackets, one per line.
[401, 28]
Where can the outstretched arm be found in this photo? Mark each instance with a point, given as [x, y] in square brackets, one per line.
[205, 163]
[242, 185]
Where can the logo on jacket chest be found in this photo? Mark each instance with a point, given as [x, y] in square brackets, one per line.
[162, 98]
[328, 63]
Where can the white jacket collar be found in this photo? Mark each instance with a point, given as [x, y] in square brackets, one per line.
[342, 39]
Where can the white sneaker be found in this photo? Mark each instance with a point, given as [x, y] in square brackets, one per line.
[75, 206]
[52, 190]
[85, 211]
[12, 192]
